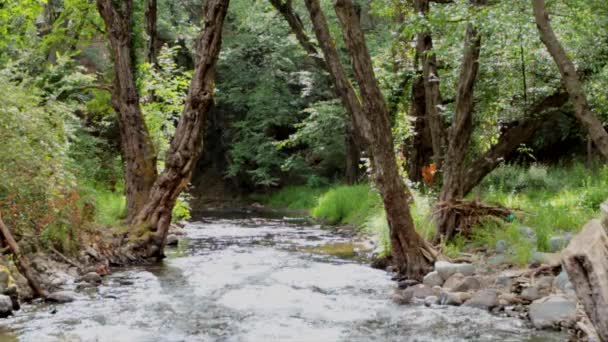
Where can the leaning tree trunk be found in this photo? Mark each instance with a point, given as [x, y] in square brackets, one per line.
[137, 148]
[460, 136]
[570, 79]
[412, 255]
[424, 47]
[187, 142]
[353, 141]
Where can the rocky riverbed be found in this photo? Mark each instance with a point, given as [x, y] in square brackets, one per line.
[253, 279]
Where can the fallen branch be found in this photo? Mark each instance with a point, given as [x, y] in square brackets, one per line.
[22, 262]
[66, 259]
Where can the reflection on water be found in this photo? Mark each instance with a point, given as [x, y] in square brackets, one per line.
[254, 279]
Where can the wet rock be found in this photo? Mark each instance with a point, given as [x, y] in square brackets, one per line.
[404, 284]
[485, 299]
[447, 269]
[530, 294]
[172, 240]
[91, 278]
[419, 291]
[506, 279]
[467, 284]
[562, 282]
[552, 311]
[61, 297]
[451, 298]
[508, 299]
[6, 306]
[431, 300]
[400, 299]
[453, 281]
[501, 246]
[432, 279]
[23, 287]
[557, 243]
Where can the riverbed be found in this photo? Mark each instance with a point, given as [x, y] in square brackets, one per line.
[247, 278]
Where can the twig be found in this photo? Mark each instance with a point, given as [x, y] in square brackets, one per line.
[66, 259]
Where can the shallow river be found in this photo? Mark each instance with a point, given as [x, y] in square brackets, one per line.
[254, 279]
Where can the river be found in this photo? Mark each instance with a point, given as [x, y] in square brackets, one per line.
[256, 279]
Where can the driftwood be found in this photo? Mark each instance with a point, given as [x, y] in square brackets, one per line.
[586, 261]
[22, 261]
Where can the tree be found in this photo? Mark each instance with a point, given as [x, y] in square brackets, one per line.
[138, 151]
[353, 140]
[570, 79]
[187, 143]
[412, 255]
[151, 18]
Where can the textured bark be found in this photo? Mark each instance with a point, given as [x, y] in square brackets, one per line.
[412, 255]
[418, 150]
[353, 141]
[586, 261]
[511, 140]
[570, 79]
[151, 16]
[424, 48]
[460, 135]
[137, 148]
[187, 143]
[22, 262]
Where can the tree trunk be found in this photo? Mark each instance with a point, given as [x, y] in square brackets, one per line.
[424, 47]
[151, 15]
[586, 261]
[137, 148]
[353, 140]
[460, 135]
[418, 150]
[412, 255]
[187, 142]
[570, 79]
[511, 140]
[22, 262]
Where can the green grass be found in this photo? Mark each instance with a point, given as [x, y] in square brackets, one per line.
[347, 204]
[110, 207]
[292, 197]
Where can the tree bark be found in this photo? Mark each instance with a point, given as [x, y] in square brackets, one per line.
[586, 261]
[460, 135]
[137, 148]
[187, 142]
[570, 79]
[418, 150]
[151, 15]
[22, 262]
[424, 47]
[511, 140]
[353, 140]
[412, 255]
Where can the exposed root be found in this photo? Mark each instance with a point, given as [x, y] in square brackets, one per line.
[472, 213]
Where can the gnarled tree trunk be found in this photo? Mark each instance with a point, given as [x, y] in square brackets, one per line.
[570, 79]
[137, 148]
[460, 135]
[412, 255]
[187, 142]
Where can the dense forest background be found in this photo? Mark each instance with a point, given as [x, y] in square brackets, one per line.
[278, 124]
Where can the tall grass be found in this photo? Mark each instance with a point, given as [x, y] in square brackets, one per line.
[110, 207]
[347, 204]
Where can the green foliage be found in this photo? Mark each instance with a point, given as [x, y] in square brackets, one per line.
[295, 197]
[181, 209]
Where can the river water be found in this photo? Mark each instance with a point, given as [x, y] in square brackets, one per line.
[256, 279]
